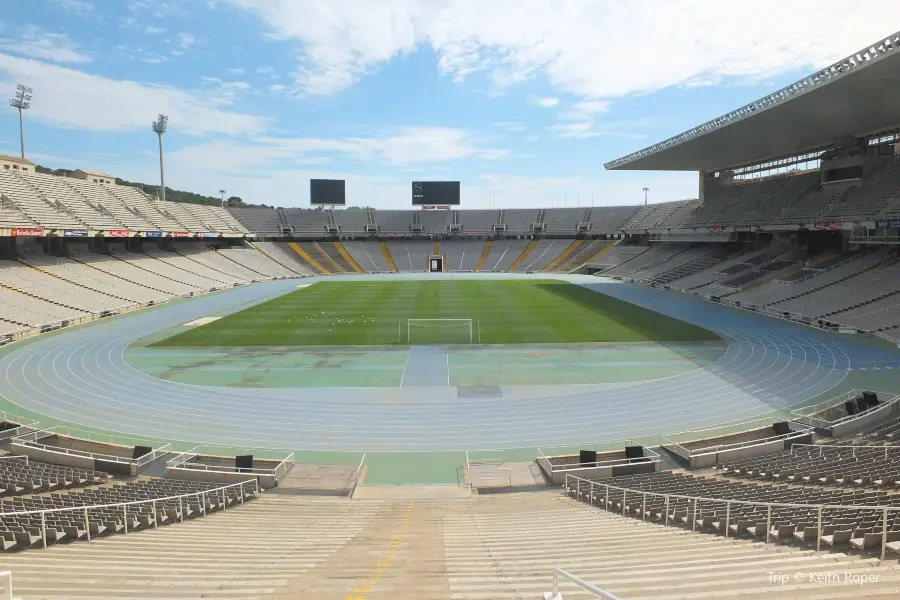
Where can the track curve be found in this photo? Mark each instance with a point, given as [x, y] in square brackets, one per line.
[81, 376]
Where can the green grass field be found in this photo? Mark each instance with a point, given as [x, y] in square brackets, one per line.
[350, 313]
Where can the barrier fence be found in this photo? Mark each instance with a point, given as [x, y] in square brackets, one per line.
[615, 492]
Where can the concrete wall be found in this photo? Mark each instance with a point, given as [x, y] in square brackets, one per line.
[56, 458]
[265, 481]
[867, 421]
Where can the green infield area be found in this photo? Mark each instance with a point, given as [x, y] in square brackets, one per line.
[353, 313]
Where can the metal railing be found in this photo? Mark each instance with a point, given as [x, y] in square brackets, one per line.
[837, 402]
[695, 500]
[183, 461]
[83, 511]
[6, 577]
[562, 573]
[686, 452]
[826, 448]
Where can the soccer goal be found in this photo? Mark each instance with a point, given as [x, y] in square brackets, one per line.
[441, 331]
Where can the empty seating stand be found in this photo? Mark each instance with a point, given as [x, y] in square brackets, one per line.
[41, 520]
[19, 475]
[825, 517]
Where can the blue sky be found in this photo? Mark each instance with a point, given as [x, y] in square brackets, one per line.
[523, 101]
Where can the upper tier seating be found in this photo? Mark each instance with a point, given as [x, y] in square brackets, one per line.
[520, 220]
[58, 190]
[34, 205]
[140, 203]
[390, 221]
[102, 197]
[351, 220]
[306, 221]
[611, 219]
[435, 221]
[478, 221]
[258, 219]
[563, 219]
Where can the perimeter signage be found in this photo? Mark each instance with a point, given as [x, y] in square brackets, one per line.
[117, 233]
[28, 232]
[153, 234]
[181, 234]
[828, 225]
[75, 233]
[887, 224]
[715, 229]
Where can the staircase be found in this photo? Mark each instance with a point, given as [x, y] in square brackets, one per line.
[307, 259]
[680, 272]
[347, 258]
[388, 257]
[523, 256]
[484, 255]
[489, 547]
[563, 256]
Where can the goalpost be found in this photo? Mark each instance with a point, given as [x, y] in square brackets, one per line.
[441, 331]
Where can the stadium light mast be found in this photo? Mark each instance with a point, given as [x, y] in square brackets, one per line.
[21, 101]
[222, 193]
[159, 128]
[646, 189]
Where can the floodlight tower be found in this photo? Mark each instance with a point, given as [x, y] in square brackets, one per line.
[222, 193]
[159, 128]
[646, 189]
[21, 101]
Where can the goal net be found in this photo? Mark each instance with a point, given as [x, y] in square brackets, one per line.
[440, 331]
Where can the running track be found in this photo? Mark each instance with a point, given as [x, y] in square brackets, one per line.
[81, 376]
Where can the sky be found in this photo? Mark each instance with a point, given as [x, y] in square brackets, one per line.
[521, 100]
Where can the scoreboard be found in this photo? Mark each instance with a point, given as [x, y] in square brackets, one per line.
[435, 193]
[327, 192]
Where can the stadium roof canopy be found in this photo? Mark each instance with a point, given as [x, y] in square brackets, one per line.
[855, 96]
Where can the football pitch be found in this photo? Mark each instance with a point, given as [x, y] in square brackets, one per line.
[375, 313]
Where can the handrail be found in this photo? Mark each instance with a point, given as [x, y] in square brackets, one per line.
[854, 447]
[738, 445]
[557, 573]
[203, 493]
[820, 508]
[74, 452]
[152, 455]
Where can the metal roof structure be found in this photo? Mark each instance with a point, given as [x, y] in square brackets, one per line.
[855, 96]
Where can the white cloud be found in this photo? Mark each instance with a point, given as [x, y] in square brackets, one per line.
[186, 40]
[547, 102]
[588, 48]
[511, 126]
[405, 147]
[237, 71]
[78, 100]
[35, 43]
[577, 129]
[151, 30]
[79, 7]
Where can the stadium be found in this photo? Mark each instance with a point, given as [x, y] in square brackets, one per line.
[688, 399]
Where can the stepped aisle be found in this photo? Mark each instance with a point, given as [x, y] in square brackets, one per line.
[478, 547]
